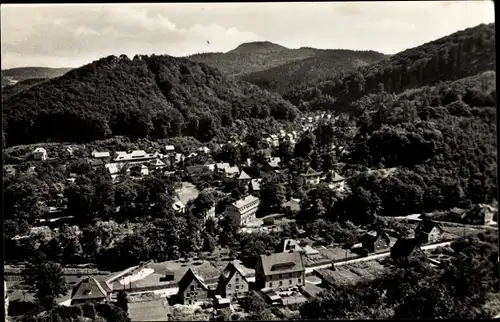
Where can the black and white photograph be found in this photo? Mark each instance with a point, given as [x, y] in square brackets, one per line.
[249, 161]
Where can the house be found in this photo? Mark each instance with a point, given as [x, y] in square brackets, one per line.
[280, 271]
[275, 141]
[243, 211]
[254, 185]
[179, 206]
[40, 154]
[428, 231]
[228, 170]
[101, 155]
[144, 170]
[337, 181]
[179, 157]
[244, 177]
[9, 170]
[311, 177]
[406, 247]
[68, 151]
[90, 290]
[204, 150]
[289, 245]
[375, 241]
[481, 214]
[169, 149]
[135, 157]
[272, 164]
[233, 282]
[158, 164]
[192, 288]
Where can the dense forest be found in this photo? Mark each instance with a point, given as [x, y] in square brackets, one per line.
[441, 140]
[157, 96]
[326, 64]
[464, 53]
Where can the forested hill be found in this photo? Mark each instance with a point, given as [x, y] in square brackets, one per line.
[464, 53]
[158, 96]
[270, 65]
[326, 64]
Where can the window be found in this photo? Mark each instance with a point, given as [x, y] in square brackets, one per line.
[281, 283]
[270, 284]
[299, 281]
[237, 279]
[192, 287]
[228, 285]
[290, 282]
[237, 287]
[196, 293]
[281, 275]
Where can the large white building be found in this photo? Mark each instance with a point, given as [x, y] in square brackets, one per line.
[243, 211]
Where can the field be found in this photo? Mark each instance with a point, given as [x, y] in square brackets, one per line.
[148, 309]
[354, 273]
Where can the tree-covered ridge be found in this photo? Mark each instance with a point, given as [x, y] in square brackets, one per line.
[441, 138]
[324, 65]
[157, 96]
[20, 86]
[456, 56]
[241, 63]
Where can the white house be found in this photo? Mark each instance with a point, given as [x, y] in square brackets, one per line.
[100, 155]
[170, 149]
[243, 211]
[40, 154]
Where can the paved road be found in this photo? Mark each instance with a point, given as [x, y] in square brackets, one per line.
[371, 257]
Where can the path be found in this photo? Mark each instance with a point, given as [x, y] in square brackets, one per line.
[415, 217]
[371, 257]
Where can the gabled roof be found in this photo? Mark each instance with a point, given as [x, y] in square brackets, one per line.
[405, 247]
[310, 173]
[244, 176]
[245, 201]
[222, 165]
[336, 177]
[40, 150]
[373, 236]
[188, 278]
[228, 273]
[457, 211]
[159, 163]
[280, 263]
[232, 170]
[169, 148]
[289, 245]
[89, 288]
[426, 226]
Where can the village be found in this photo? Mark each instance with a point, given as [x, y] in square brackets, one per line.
[297, 271]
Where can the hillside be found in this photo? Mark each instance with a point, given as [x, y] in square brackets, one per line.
[157, 96]
[23, 73]
[441, 139]
[464, 53]
[20, 86]
[252, 57]
[324, 65]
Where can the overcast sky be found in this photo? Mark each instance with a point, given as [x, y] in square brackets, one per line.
[74, 35]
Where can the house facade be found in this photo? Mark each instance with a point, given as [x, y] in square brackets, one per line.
[40, 154]
[192, 289]
[375, 241]
[232, 282]
[280, 271]
[243, 211]
[428, 231]
[337, 182]
[311, 177]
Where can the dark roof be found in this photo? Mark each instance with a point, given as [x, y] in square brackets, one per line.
[89, 288]
[336, 177]
[404, 247]
[97, 162]
[457, 211]
[426, 226]
[282, 263]
[194, 168]
[188, 278]
[373, 236]
[229, 272]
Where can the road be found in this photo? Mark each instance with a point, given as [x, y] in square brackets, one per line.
[415, 217]
[371, 257]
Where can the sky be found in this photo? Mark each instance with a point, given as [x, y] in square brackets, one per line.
[71, 35]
